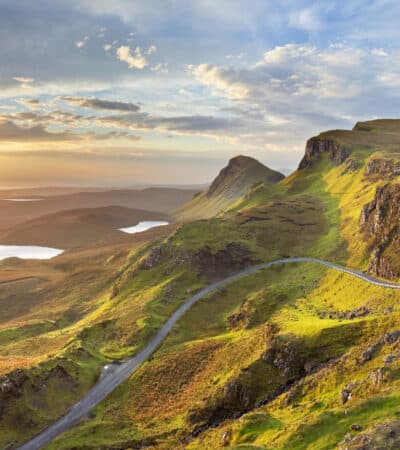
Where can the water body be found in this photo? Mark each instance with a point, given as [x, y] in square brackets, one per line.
[143, 226]
[22, 199]
[28, 252]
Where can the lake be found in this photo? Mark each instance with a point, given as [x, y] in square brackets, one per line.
[28, 252]
[143, 226]
[22, 199]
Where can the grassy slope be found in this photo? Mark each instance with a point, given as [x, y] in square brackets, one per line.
[314, 212]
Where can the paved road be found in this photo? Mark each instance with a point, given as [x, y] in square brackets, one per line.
[118, 373]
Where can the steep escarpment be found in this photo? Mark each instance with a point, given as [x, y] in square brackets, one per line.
[380, 220]
[316, 146]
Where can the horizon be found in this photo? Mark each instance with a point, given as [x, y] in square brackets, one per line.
[155, 93]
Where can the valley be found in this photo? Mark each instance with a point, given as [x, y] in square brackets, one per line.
[265, 315]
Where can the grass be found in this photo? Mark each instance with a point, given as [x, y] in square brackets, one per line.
[225, 337]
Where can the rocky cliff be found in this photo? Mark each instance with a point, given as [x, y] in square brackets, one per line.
[382, 168]
[380, 224]
[316, 146]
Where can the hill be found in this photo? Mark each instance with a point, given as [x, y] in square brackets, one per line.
[233, 181]
[77, 227]
[291, 357]
[149, 199]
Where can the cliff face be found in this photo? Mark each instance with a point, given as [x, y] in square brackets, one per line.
[316, 146]
[382, 168]
[379, 222]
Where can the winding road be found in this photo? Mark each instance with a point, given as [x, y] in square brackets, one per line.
[119, 373]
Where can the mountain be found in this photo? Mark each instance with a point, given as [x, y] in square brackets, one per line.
[233, 181]
[77, 227]
[294, 356]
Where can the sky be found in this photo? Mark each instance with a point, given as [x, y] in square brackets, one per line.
[126, 92]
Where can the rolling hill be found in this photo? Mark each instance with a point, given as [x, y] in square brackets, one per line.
[149, 199]
[76, 227]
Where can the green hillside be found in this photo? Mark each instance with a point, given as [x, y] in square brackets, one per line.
[292, 357]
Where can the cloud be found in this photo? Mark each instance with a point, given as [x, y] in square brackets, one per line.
[191, 125]
[107, 47]
[295, 70]
[160, 67]
[11, 132]
[82, 43]
[99, 104]
[297, 90]
[152, 49]
[378, 52]
[31, 103]
[30, 126]
[25, 82]
[136, 61]
[306, 19]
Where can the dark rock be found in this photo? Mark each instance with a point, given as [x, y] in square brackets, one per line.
[236, 394]
[377, 377]
[389, 358]
[368, 353]
[316, 146]
[384, 435]
[380, 223]
[384, 168]
[11, 387]
[356, 427]
[285, 357]
[390, 338]
[156, 256]
[233, 257]
[352, 165]
[349, 314]
[346, 393]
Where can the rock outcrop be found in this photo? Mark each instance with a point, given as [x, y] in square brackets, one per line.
[316, 146]
[380, 220]
[11, 387]
[385, 435]
[382, 168]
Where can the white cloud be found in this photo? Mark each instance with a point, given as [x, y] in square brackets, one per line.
[305, 19]
[25, 82]
[160, 67]
[292, 70]
[107, 47]
[136, 61]
[221, 80]
[152, 49]
[82, 43]
[378, 52]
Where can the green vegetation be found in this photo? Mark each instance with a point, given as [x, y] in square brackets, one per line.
[292, 357]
